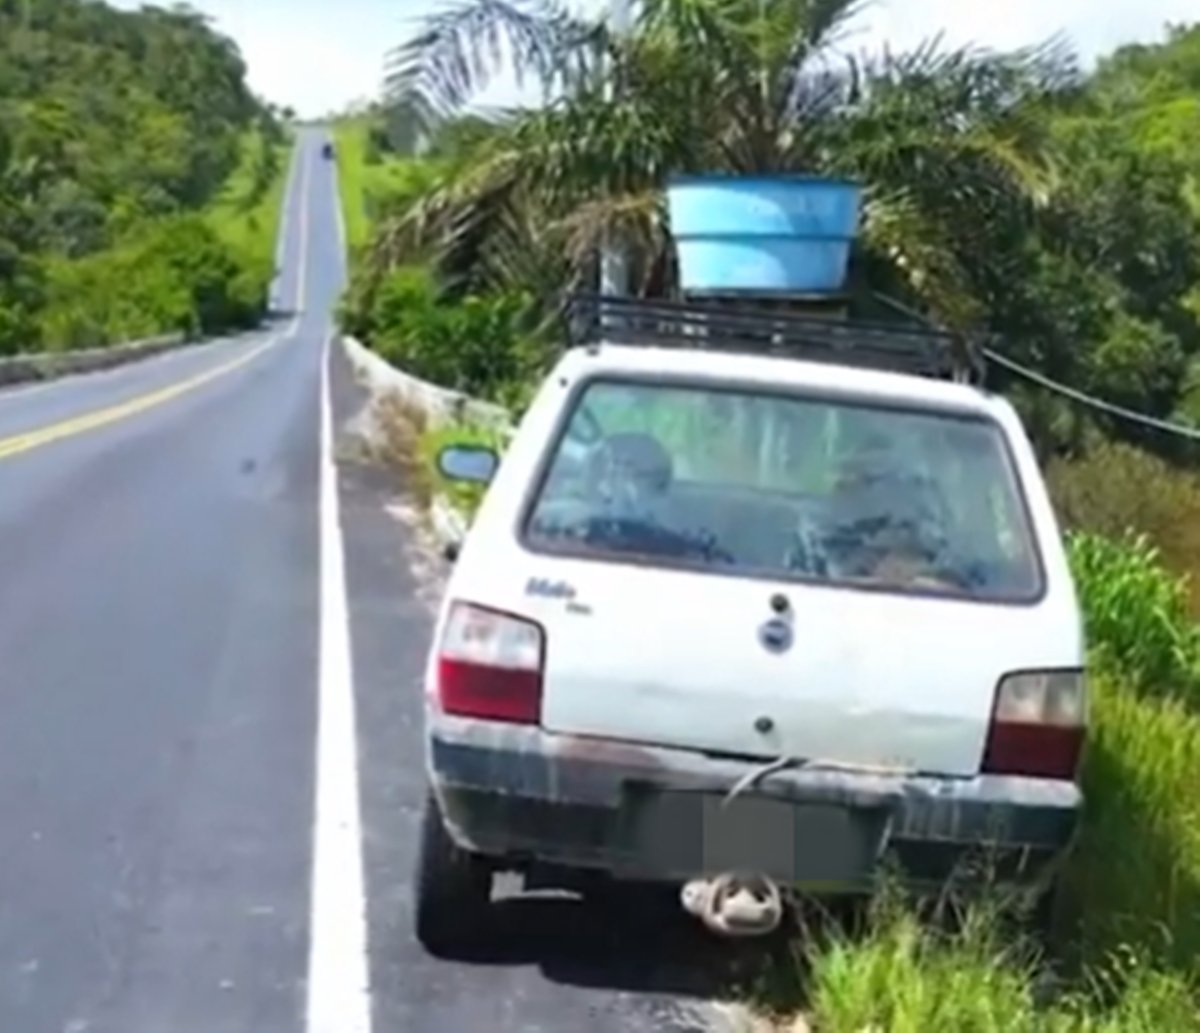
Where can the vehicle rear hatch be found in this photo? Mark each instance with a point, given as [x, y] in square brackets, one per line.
[845, 675]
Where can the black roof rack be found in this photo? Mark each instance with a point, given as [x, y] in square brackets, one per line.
[755, 326]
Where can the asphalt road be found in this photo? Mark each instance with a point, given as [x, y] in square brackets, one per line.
[186, 582]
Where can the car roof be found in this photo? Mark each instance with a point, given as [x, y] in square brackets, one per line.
[904, 389]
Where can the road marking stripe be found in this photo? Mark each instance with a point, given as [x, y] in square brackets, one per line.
[23, 442]
[339, 995]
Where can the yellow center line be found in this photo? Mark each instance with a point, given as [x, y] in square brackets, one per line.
[18, 443]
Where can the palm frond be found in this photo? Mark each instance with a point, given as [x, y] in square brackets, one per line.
[896, 229]
[952, 144]
[460, 49]
[638, 220]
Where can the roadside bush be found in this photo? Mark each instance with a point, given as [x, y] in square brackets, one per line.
[486, 346]
[175, 276]
[1114, 489]
[1134, 878]
[224, 293]
[1136, 613]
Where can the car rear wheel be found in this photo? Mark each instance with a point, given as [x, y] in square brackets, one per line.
[453, 889]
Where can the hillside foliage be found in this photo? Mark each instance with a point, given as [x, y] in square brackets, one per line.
[117, 129]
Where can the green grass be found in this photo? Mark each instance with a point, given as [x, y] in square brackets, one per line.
[350, 139]
[1135, 876]
[905, 978]
[247, 213]
[368, 182]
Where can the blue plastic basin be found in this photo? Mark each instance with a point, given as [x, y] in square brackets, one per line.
[744, 206]
[773, 264]
[763, 233]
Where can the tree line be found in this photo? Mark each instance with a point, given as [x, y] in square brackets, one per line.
[117, 129]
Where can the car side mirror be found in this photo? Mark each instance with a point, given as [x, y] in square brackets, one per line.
[475, 464]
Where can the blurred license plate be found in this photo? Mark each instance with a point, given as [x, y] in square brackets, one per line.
[793, 842]
[749, 833]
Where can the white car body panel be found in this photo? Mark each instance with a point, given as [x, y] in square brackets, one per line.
[643, 653]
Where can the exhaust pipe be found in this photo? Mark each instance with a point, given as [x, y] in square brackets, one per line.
[735, 905]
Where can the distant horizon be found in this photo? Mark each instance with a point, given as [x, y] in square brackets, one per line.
[318, 60]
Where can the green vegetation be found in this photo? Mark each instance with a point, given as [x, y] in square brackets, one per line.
[1003, 191]
[1006, 192]
[138, 177]
[1137, 614]
[1135, 877]
[371, 181]
[1114, 489]
[482, 345]
[905, 978]
[246, 213]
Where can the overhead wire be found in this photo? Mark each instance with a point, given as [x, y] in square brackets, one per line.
[1090, 401]
[1079, 397]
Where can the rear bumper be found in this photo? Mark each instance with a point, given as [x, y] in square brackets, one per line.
[642, 812]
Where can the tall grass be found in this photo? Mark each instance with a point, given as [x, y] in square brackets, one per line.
[247, 213]
[350, 140]
[906, 978]
[370, 183]
[1136, 613]
[1135, 875]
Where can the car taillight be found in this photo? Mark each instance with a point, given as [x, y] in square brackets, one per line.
[1039, 724]
[490, 666]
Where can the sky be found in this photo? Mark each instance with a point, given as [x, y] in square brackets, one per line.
[319, 55]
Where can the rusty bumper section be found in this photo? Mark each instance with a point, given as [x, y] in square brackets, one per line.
[645, 812]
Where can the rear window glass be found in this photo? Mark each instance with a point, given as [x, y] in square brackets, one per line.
[778, 486]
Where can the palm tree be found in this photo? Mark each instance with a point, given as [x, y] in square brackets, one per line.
[943, 141]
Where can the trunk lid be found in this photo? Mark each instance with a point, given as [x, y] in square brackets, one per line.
[705, 662]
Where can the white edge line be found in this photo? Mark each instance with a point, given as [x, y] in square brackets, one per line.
[339, 996]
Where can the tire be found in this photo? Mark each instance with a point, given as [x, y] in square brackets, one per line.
[452, 892]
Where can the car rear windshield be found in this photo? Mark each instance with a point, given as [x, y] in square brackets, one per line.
[771, 485]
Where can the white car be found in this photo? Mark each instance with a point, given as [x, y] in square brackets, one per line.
[752, 625]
